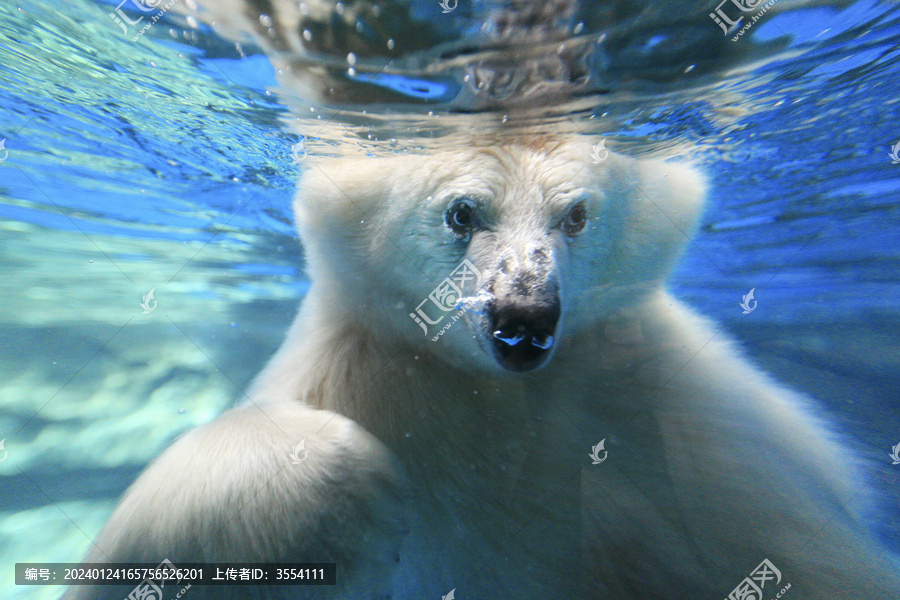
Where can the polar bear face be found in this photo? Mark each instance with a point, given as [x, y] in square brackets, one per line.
[524, 244]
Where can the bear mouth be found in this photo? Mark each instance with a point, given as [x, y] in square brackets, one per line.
[522, 337]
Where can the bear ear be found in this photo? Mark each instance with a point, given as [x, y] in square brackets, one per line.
[335, 192]
[678, 190]
[662, 204]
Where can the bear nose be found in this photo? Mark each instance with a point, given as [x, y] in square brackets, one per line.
[523, 334]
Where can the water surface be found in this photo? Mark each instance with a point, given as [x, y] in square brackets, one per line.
[166, 164]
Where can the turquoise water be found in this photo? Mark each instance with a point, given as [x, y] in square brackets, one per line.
[165, 164]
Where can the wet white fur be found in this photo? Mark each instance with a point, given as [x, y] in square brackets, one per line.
[442, 471]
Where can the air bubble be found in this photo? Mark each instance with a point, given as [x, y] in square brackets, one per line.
[476, 303]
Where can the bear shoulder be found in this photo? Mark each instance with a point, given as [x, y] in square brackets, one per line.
[271, 483]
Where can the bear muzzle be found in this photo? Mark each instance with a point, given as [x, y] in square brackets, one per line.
[518, 324]
[523, 329]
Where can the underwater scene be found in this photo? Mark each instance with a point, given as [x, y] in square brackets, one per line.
[599, 299]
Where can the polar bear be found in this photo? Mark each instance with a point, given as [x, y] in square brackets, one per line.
[497, 398]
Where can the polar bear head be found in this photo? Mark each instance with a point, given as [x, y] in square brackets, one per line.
[495, 253]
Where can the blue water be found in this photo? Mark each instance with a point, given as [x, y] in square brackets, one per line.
[166, 164]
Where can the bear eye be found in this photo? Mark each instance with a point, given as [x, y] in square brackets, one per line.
[576, 220]
[460, 217]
